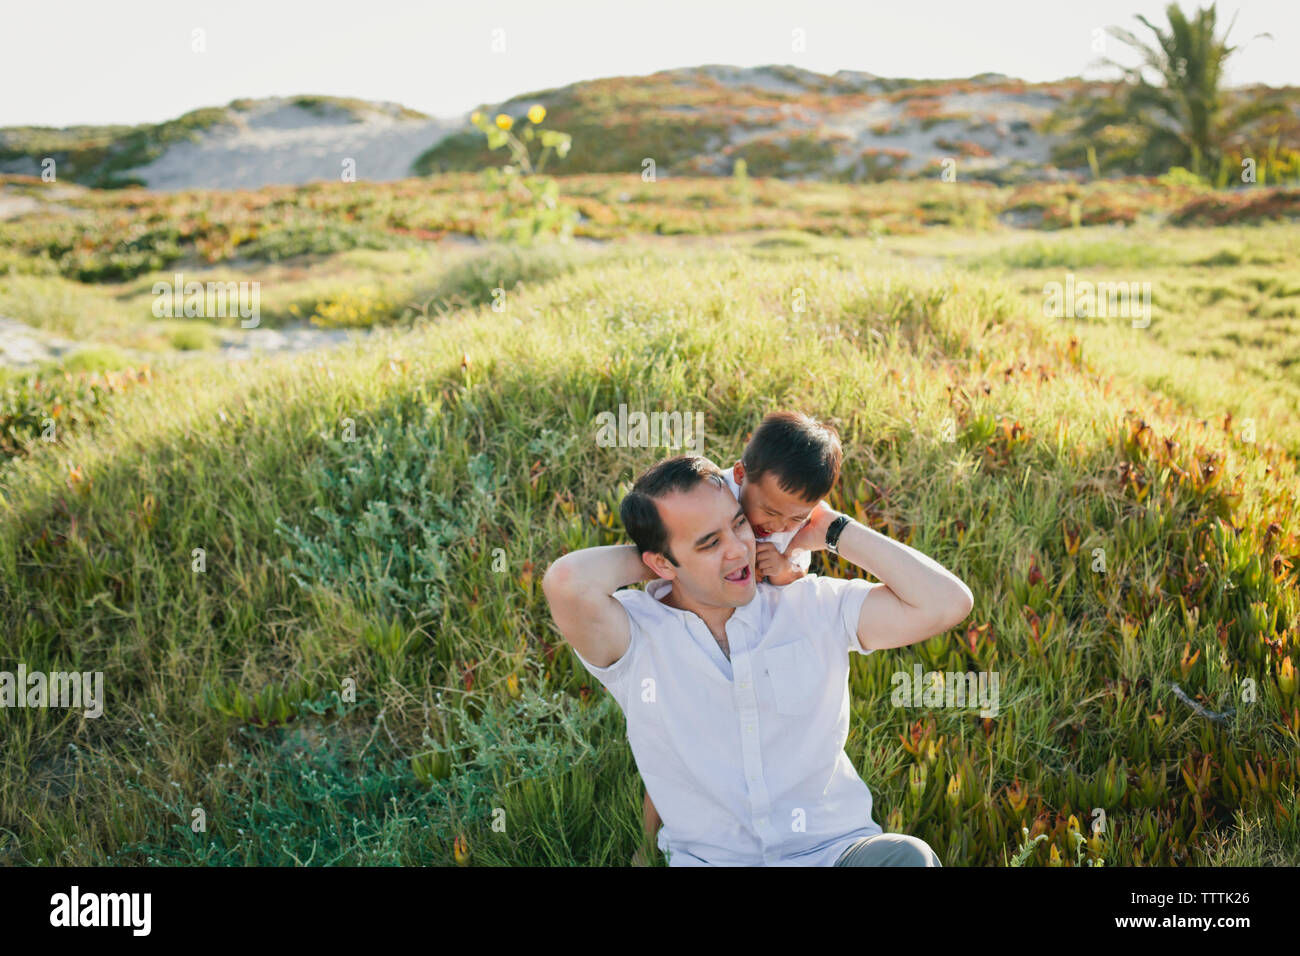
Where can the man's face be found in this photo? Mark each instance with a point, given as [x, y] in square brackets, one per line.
[769, 508]
[712, 544]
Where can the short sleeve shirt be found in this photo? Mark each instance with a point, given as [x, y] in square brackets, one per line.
[744, 758]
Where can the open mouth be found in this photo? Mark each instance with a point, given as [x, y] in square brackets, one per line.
[739, 576]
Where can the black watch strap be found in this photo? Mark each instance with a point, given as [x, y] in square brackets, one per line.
[833, 533]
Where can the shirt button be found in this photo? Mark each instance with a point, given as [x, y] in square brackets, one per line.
[749, 729]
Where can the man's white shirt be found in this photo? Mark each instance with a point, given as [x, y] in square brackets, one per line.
[744, 759]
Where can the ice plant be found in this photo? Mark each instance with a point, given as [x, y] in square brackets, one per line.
[1286, 678]
[1017, 798]
[1096, 842]
[1071, 539]
[916, 779]
[954, 789]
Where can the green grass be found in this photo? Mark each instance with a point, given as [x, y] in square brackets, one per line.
[192, 338]
[1075, 254]
[119, 235]
[349, 679]
[1225, 332]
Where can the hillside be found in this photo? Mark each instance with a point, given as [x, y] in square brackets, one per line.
[783, 121]
[243, 145]
[372, 562]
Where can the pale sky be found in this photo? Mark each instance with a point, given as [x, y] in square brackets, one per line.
[131, 61]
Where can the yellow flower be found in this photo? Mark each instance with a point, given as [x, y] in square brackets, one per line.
[460, 850]
[475, 117]
[536, 114]
[504, 121]
[512, 685]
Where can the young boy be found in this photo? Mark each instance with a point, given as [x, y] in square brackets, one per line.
[789, 465]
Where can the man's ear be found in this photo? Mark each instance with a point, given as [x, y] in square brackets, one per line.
[738, 472]
[659, 565]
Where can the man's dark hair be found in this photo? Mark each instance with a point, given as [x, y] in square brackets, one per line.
[802, 453]
[639, 512]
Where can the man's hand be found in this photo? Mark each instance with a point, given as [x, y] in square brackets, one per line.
[812, 536]
[774, 566]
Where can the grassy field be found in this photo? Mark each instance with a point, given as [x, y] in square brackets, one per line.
[312, 584]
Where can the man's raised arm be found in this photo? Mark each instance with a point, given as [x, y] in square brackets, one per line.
[920, 597]
[579, 587]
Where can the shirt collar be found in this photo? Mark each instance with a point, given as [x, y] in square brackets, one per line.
[748, 614]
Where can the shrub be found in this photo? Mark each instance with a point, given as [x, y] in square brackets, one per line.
[290, 241]
[398, 518]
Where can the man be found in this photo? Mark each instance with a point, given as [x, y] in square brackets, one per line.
[736, 694]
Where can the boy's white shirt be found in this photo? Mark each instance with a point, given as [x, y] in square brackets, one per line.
[800, 559]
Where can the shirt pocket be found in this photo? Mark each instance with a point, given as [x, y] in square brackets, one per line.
[792, 668]
[644, 711]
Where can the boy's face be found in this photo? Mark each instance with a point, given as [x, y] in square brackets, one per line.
[769, 508]
[712, 543]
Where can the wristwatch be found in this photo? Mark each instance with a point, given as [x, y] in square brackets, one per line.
[833, 533]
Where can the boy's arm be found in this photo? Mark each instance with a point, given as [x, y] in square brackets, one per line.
[920, 597]
[579, 588]
[780, 569]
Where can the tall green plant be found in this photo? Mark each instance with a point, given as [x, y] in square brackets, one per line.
[1185, 114]
[531, 204]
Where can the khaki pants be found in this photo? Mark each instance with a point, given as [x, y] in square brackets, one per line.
[889, 849]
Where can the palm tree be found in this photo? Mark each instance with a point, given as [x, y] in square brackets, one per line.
[1186, 115]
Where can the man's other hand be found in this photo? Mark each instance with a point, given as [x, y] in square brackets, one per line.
[812, 536]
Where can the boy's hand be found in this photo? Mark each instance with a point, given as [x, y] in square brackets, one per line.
[774, 566]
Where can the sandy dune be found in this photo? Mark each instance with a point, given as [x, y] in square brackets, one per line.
[277, 142]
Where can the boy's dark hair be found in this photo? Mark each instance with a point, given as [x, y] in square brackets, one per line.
[803, 453]
[639, 512]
